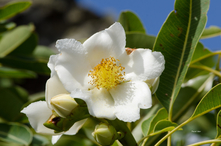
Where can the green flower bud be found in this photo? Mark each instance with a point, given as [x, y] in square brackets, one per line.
[105, 134]
[63, 104]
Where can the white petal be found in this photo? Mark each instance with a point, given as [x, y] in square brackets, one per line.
[100, 103]
[109, 42]
[76, 127]
[55, 138]
[153, 83]
[142, 64]
[38, 113]
[129, 97]
[54, 87]
[51, 64]
[72, 66]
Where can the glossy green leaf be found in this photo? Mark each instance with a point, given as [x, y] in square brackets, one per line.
[131, 22]
[218, 125]
[14, 38]
[12, 9]
[201, 57]
[164, 126]
[39, 140]
[12, 100]
[27, 47]
[6, 72]
[209, 102]
[212, 31]
[139, 40]
[15, 133]
[191, 93]
[42, 52]
[6, 26]
[148, 125]
[27, 63]
[177, 40]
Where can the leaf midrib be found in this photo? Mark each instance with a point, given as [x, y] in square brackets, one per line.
[180, 64]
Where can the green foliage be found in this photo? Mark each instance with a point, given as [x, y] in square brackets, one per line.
[177, 40]
[209, 102]
[191, 71]
[12, 100]
[135, 32]
[14, 38]
[131, 22]
[218, 125]
[12, 9]
[212, 31]
[149, 124]
[139, 40]
[15, 133]
[164, 126]
[6, 72]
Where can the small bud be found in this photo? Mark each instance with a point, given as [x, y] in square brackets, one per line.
[105, 134]
[63, 104]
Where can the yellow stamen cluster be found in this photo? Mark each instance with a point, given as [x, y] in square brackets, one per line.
[107, 74]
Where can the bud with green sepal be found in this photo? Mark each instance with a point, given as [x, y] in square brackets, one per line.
[105, 134]
[61, 124]
[63, 104]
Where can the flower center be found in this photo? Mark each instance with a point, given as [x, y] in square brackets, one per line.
[107, 74]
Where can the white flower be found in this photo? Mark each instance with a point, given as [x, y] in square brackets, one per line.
[112, 80]
[39, 112]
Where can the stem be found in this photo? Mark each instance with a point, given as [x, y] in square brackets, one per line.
[144, 142]
[207, 69]
[206, 142]
[169, 141]
[174, 130]
[201, 58]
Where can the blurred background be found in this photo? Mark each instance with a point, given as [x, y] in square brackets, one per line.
[79, 19]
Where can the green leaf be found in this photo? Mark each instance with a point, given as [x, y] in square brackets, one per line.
[6, 72]
[43, 52]
[6, 26]
[201, 57]
[212, 31]
[209, 102]
[131, 22]
[14, 38]
[218, 125]
[12, 100]
[164, 126]
[39, 140]
[12, 9]
[139, 40]
[148, 125]
[27, 63]
[191, 93]
[27, 47]
[177, 40]
[15, 133]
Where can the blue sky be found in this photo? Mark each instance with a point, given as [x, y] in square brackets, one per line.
[153, 13]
